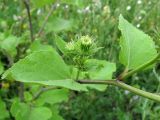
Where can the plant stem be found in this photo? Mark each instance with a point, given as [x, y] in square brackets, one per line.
[140, 67]
[21, 91]
[26, 3]
[42, 90]
[54, 6]
[77, 76]
[120, 84]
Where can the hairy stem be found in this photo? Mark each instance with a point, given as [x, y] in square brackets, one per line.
[124, 76]
[120, 84]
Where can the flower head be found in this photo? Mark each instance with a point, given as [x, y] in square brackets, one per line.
[70, 46]
[128, 8]
[86, 40]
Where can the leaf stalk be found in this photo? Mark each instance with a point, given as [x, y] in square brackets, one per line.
[143, 66]
[121, 84]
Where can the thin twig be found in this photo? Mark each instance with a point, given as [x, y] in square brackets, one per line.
[21, 91]
[27, 5]
[54, 6]
[42, 90]
[78, 72]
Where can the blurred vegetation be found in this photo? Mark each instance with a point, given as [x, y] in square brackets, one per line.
[70, 19]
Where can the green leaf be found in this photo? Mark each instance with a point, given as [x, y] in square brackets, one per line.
[58, 24]
[1, 68]
[3, 111]
[38, 46]
[99, 70]
[61, 44]
[43, 67]
[40, 113]
[22, 111]
[55, 113]
[53, 96]
[137, 47]
[19, 109]
[56, 117]
[27, 96]
[9, 44]
[2, 37]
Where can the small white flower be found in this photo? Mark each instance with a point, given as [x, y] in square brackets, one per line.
[38, 11]
[128, 7]
[79, 11]
[58, 4]
[138, 25]
[136, 78]
[135, 97]
[87, 8]
[139, 2]
[149, 2]
[97, 3]
[126, 92]
[66, 6]
[140, 17]
[106, 9]
[15, 17]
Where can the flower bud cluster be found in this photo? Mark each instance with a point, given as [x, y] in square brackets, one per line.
[70, 46]
[82, 46]
[80, 50]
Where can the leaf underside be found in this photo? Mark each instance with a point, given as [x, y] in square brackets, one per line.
[43, 67]
[137, 47]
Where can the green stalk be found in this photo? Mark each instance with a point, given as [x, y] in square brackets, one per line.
[126, 75]
[120, 84]
[78, 72]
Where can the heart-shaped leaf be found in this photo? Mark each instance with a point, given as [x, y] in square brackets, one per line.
[137, 47]
[43, 67]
